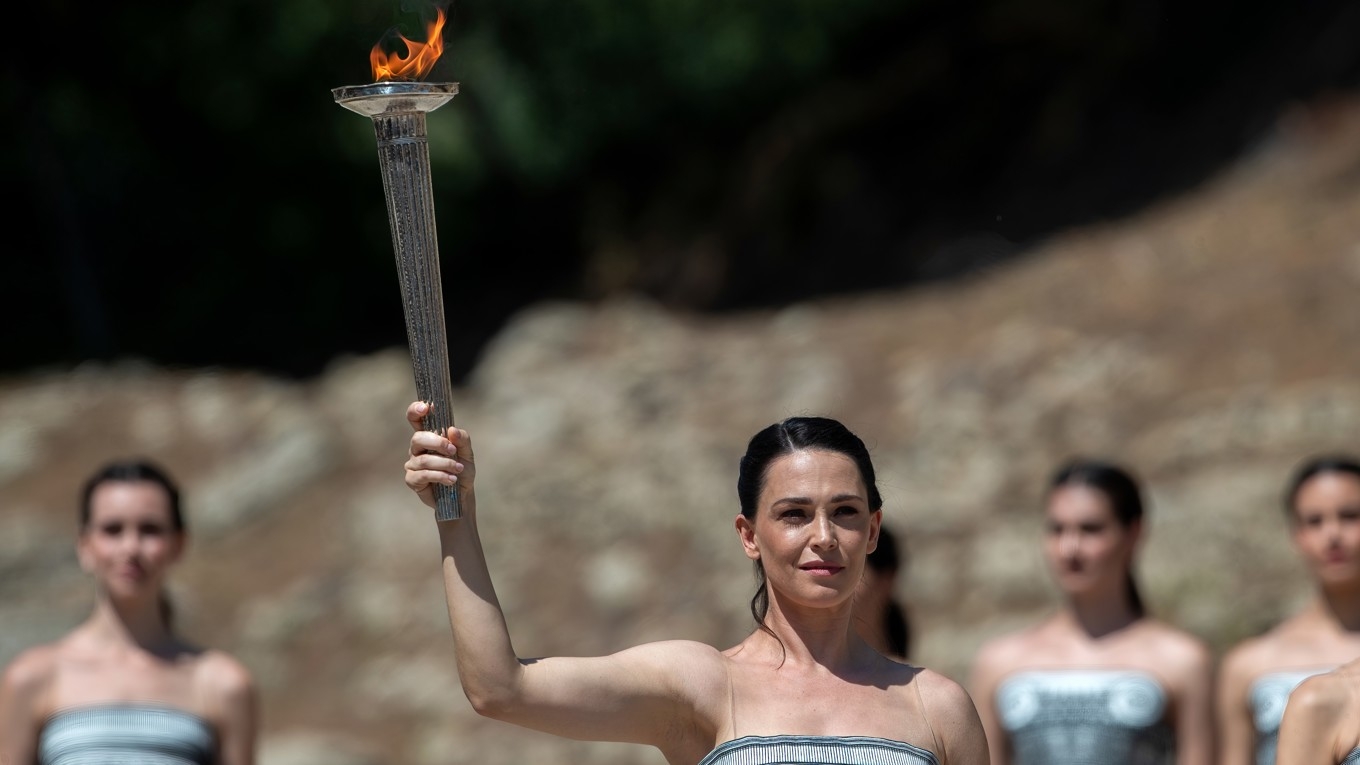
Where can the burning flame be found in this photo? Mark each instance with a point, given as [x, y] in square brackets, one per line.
[419, 59]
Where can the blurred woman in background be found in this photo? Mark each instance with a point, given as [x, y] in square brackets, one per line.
[1321, 725]
[1100, 680]
[1322, 503]
[879, 616]
[122, 687]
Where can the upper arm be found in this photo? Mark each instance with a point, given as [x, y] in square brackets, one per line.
[1194, 707]
[988, 668]
[1237, 736]
[235, 708]
[22, 686]
[954, 717]
[1308, 732]
[656, 693]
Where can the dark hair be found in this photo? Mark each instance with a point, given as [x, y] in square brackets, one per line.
[791, 435]
[1120, 489]
[129, 471]
[1313, 467]
[888, 559]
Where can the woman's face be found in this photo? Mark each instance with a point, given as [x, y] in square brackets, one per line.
[813, 527]
[130, 539]
[1088, 549]
[1326, 526]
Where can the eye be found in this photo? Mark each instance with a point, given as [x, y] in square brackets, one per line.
[847, 510]
[1350, 513]
[151, 529]
[1092, 528]
[793, 514]
[111, 529]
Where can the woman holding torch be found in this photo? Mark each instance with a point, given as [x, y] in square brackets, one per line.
[1100, 680]
[803, 687]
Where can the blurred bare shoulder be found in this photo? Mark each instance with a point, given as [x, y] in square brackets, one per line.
[1178, 650]
[224, 678]
[1004, 653]
[32, 670]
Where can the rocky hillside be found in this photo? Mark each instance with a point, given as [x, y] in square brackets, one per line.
[1211, 342]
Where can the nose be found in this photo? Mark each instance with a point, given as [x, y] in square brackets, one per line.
[1069, 544]
[823, 533]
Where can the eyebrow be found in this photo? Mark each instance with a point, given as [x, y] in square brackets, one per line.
[808, 500]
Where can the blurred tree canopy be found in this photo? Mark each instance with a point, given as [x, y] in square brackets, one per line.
[185, 189]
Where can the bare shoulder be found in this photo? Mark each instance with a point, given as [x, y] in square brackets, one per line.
[1247, 659]
[941, 693]
[1177, 649]
[1001, 655]
[1325, 698]
[223, 678]
[32, 670]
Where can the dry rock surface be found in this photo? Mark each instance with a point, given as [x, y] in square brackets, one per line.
[1211, 342]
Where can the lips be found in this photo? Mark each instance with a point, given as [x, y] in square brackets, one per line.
[822, 568]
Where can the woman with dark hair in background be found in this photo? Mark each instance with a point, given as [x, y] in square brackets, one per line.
[1322, 504]
[122, 686]
[1100, 680]
[1321, 725]
[880, 618]
[803, 687]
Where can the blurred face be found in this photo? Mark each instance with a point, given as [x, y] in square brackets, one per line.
[813, 528]
[1088, 549]
[1326, 526]
[130, 540]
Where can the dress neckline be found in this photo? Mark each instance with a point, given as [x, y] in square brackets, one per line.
[866, 742]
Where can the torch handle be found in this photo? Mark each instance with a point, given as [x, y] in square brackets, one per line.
[404, 155]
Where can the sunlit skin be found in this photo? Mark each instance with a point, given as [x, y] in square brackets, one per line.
[1324, 527]
[1090, 552]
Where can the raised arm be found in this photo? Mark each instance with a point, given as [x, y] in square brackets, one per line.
[651, 694]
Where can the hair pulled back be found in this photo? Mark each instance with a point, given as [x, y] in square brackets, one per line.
[1121, 490]
[1310, 469]
[131, 471]
[786, 437]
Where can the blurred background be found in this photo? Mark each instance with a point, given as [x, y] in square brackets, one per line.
[987, 235]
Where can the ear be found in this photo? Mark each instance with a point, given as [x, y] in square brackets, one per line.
[746, 530]
[875, 523]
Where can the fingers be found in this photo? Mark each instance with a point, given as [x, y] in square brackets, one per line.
[415, 414]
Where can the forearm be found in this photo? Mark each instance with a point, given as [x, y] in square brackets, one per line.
[487, 665]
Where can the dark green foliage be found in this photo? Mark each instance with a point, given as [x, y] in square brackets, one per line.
[191, 194]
